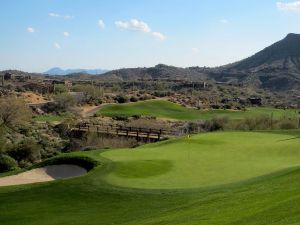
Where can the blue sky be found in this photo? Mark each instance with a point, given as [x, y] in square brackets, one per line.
[39, 34]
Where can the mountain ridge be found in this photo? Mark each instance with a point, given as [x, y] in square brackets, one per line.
[63, 72]
[276, 67]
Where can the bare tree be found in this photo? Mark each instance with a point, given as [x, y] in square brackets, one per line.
[13, 112]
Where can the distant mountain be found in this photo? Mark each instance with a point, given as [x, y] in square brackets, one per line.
[158, 72]
[284, 54]
[59, 71]
[277, 67]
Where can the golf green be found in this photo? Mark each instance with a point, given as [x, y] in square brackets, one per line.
[238, 178]
[203, 160]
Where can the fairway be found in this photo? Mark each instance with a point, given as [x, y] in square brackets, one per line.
[169, 110]
[48, 118]
[237, 178]
[203, 160]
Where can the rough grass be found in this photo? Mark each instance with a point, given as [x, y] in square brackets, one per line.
[169, 110]
[273, 199]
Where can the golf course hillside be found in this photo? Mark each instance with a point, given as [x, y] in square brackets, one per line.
[169, 110]
[203, 160]
[207, 179]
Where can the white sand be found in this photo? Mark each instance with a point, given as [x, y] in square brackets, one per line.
[48, 173]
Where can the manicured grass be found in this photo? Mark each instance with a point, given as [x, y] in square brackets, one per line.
[166, 109]
[49, 118]
[204, 160]
[272, 199]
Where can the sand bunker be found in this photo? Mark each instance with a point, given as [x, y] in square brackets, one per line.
[44, 174]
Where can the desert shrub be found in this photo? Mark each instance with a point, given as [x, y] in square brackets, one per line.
[193, 127]
[161, 94]
[50, 107]
[133, 99]
[145, 97]
[250, 123]
[92, 93]
[60, 88]
[219, 123]
[288, 124]
[136, 117]
[20, 89]
[264, 122]
[237, 125]
[63, 129]
[7, 163]
[121, 99]
[27, 151]
[13, 112]
[93, 141]
[120, 118]
[215, 106]
[64, 101]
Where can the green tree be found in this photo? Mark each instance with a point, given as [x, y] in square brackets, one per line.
[90, 92]
[60, 88]
[64, 101]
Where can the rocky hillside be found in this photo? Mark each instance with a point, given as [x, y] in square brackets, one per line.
[159, 72]
[283, 55]
[277, 67]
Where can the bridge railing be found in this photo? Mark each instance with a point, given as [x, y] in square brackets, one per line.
[124, 130]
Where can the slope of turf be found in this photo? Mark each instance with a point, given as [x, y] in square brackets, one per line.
[48, 118]
[166, 109]
[203, 160]
[271, 200]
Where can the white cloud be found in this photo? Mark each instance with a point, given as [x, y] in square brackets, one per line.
[159, 36]
[101, 24]
[133, 25]
[30, 30]
[56, 45]
[66, 17]
[288, 6]
[195, 50]
[66, 34]
[54, 14]
[224, 21]
[139, 26]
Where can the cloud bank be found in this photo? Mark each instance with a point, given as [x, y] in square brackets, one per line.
[139, 26]
[291, 6]
[30, 30]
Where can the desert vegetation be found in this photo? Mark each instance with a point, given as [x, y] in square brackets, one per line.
[190, 145]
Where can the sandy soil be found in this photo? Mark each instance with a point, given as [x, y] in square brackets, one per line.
[48, 173]
[33, 98]
[89, 111]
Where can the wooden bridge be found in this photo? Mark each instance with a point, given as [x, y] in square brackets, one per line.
[124, 131]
